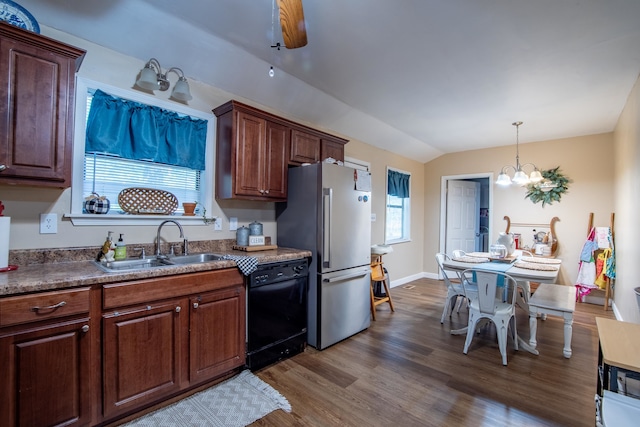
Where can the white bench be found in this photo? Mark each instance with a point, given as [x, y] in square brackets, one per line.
[556, 300]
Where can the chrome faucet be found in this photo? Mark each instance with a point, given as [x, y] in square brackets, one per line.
[186, 242]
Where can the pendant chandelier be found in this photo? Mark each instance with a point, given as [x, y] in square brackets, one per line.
[519, 176]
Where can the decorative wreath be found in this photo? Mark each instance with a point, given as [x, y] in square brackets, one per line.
[550, 189]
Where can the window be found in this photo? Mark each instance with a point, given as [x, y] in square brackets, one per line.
[107, 174]
[397, 220]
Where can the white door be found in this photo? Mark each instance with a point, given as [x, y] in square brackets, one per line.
[462, 229]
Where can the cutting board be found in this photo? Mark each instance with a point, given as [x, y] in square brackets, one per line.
[254, 248]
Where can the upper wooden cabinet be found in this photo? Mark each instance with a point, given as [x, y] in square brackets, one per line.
[305, 147]
[37, 88]
[254, 149]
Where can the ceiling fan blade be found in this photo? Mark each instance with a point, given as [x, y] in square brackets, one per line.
[294, 32]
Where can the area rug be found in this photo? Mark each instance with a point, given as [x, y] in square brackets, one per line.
[239, 401]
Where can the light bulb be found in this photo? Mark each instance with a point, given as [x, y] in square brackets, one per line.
[271, 72]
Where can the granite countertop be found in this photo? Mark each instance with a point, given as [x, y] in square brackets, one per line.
[57, 274]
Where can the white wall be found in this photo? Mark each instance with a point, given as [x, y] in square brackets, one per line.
[627, 206]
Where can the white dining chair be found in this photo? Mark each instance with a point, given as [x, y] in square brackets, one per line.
[495, 301]
[454, 290]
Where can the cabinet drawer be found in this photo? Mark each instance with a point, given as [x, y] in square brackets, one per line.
[48, 305]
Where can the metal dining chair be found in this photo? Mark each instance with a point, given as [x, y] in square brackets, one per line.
[454, 290]
[495, 301]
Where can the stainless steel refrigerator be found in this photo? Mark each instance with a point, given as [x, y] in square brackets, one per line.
[328, 214]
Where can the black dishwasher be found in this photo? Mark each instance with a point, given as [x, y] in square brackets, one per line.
[276, 312]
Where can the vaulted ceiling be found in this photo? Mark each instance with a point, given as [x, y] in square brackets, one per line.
[417, 77]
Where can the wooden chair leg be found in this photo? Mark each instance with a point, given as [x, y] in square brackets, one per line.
[386, 288]
[373, 300]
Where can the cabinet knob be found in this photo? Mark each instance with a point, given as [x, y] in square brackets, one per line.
[195, 305]
[178, 309]
[2, 167]
[85, 329]
[266, 191]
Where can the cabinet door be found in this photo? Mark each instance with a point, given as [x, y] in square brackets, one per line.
[45, 375]
[250, 155]
[331, 149]
[141, 356]
[277, 153]
[217, 333]
[36, 114]
[305, 148]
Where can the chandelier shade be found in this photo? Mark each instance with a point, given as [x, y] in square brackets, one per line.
[520, 177]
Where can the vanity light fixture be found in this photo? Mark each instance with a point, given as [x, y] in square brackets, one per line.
[519, 177]
[153, 78]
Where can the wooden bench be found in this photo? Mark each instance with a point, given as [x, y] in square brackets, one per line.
[556, 300]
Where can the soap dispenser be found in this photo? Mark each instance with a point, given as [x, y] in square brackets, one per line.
[121, 249]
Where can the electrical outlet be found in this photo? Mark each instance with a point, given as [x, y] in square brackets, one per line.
[217, 226]
[48, 223]
[233, 223]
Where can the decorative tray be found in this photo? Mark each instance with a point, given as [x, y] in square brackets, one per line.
[147, 201]
[16, 15]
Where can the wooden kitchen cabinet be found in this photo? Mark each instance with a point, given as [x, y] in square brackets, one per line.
[141, 355]
[217, 333]
[332, 148]
[45, 354]
[163, 336]
[254, 149]
[305, 147]
[309, 147]
[37, 89]
[251, 156]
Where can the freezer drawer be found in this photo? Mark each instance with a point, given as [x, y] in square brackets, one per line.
[344, 304]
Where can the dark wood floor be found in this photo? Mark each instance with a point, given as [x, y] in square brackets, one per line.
[407, 370]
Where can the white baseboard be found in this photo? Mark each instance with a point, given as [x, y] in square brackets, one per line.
[405, 280]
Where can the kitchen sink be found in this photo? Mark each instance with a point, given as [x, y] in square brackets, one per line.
[132, 264]
[193, 259]
[156, 262]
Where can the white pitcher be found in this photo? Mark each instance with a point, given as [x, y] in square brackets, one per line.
[506, 239]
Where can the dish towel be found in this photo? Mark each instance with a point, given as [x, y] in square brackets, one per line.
[246, 264]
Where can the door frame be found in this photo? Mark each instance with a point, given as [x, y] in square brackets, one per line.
[443, 202]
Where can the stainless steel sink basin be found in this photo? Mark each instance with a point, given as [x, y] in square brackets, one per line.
[194, 259]
[132, 264]
[156, 262]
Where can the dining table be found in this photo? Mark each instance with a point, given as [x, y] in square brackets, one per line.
[524, 269]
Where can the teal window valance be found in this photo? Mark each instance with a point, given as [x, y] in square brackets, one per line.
[137, 131]
[397, 184]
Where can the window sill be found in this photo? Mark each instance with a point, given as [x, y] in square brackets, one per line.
[393, 242]
[125, 219]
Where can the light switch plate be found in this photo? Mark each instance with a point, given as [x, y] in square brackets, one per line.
[48, 223]
[233, 223]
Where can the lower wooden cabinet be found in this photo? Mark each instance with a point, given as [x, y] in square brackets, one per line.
[46, 374]
[191, 331]
[216, 334]
[90, 356]
[141, 356]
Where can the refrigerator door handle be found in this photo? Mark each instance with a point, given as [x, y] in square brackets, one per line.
[327, 194]
[346, 277]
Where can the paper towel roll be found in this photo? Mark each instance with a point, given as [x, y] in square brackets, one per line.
[5, 227]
